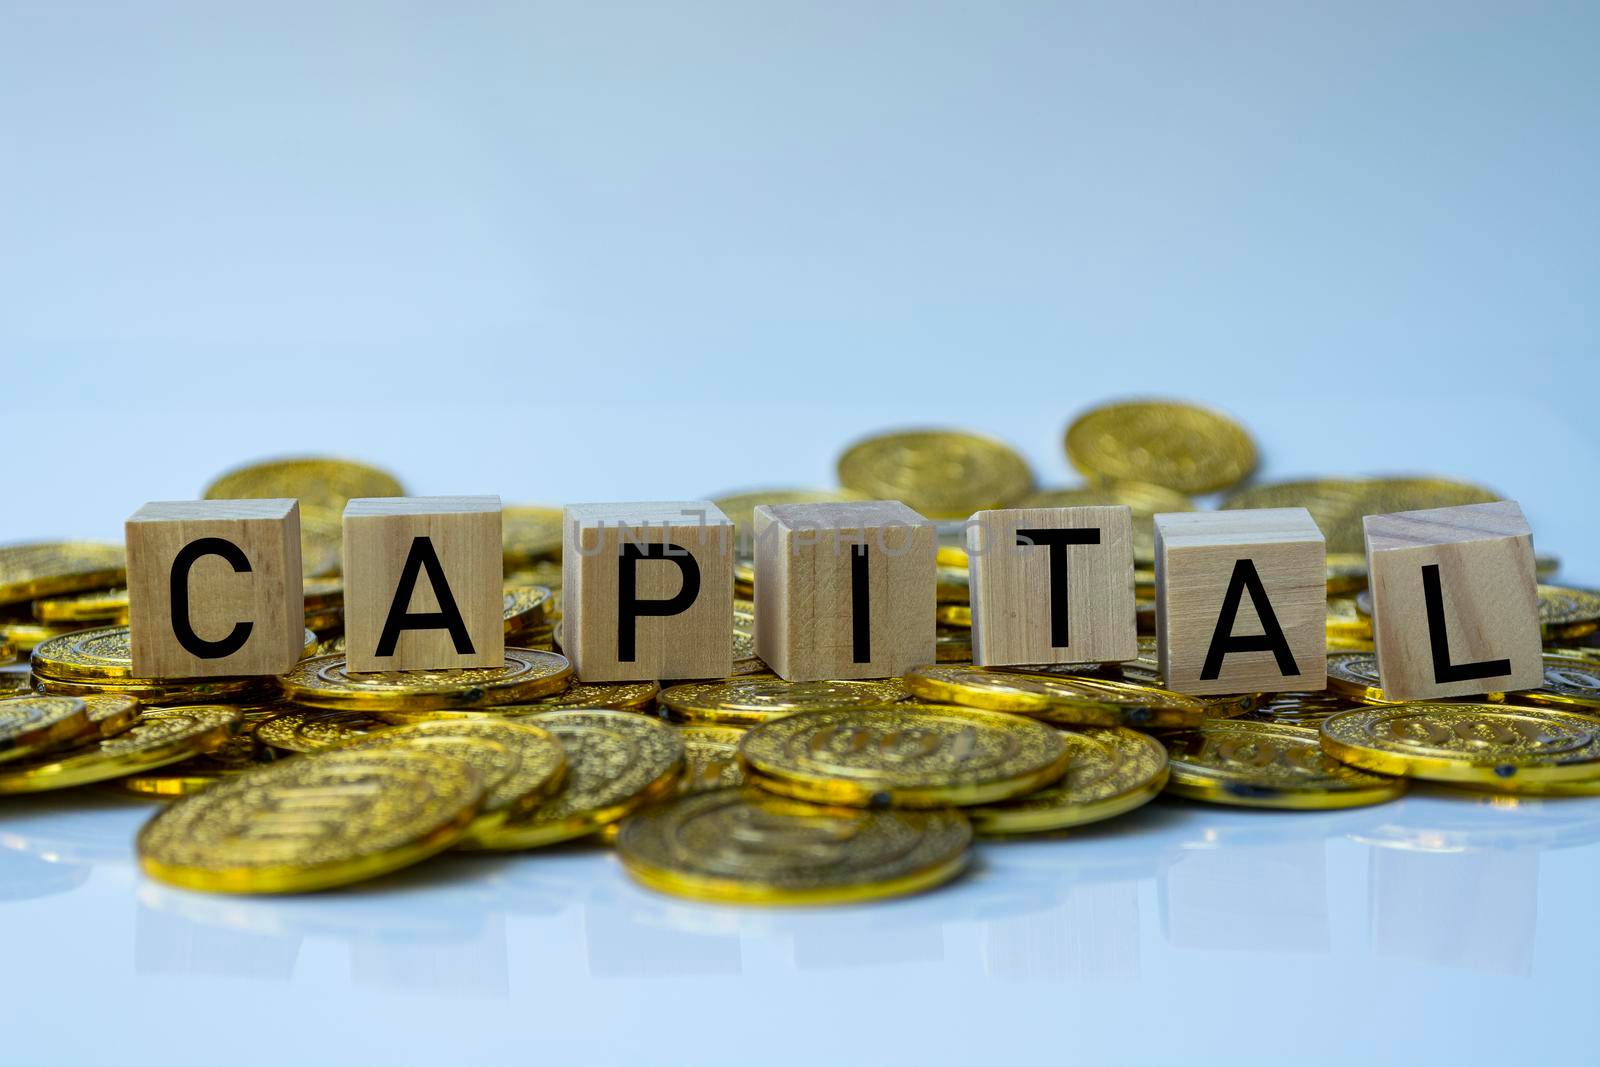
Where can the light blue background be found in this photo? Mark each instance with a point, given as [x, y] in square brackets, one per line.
[658, 250]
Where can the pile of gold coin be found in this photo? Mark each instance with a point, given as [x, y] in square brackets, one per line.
[751, 789]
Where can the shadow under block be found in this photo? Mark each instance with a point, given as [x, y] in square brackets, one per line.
[844, 590]
[422, 583]
[214, 588]
[1455, 607]
[1052, 585]
[647, 591]
[1241, 601]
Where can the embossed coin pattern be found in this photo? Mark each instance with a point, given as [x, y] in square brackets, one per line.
[758, 700]
[1179, 446]
[1109, 771]
[1570, 682]
[308, 730]
[1486, 743]
[711, 757]
[942, 474]
[616, 761]
[52, 568]
[746, 846]
[161, 736]
[527, 674]
[103, 654]
[1063, 699]
[29, 724]
[918, 757]
[1267, 765]
[313, 823]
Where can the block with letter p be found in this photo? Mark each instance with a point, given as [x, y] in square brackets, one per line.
[1241, 601]
[844, 590]
[423, 583]
[1052, 585]
[214, 588]
[1455, 603]
[647, 591]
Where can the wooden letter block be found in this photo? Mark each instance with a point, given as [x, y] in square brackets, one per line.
[1455, 608]
[1241, 601]
[647, 591]
[214, 588]
[1052, 585]
[844, 590]
[423, 583]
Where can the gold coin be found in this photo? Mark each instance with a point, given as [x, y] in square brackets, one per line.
[1179, 446]
[1492, 744]
[913, 757]
[96, 607]
[1338, 505]
[749, 701]
[321, 540]
[519, 764]
[1300, 709]
[1344, 621]
[16, 680]
[1570, 682]
[313, 823]
[29, 724]
[160, 693]
[953, 585]
[161, 736]
[25, 635]
[954, 615]
[1347, 573]
[1064, 699]
[111, 713]
[1109, 771]
[742, 846]
[316, 481]
[616, 762]
[1144, 500]
[953, 645]
[1566, 613]
[236, 755]
[51, 568]
[616, 696]
[1354, 675]
[1267, 765]
[711, 758]
[310, 730]
[524, 609]
[103, 654]
[529, 533]
[527, 674]
[8, 650]
[942, 474]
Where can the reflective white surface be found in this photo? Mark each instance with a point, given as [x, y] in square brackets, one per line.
[1439, 928]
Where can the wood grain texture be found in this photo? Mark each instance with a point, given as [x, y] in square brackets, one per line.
[1197, 557]
[694, 642]
[1011, 587]
[269, 596]
[380, 534]
[806, 568]
[1487, 590]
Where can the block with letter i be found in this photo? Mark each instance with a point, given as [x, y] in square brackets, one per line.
[1455, 605]
[214, 588]
[844, 590]
[647, 591]
[423, 583]
[1241, 601]
[1052, 585]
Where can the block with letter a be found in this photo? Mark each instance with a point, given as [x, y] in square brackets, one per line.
[423, 583]
[844, 590]
[1052, 585]
[647, 591]
[1455, 604]
[1241, 601]
[214, 588]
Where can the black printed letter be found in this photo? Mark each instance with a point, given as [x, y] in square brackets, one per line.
[423, 557]
[1443, 670]
[1222, 639]
[1058, 540]
[630, 608]
[192, 642]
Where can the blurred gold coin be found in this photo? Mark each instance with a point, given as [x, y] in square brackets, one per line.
[529, 533]
[749, 701]
[740, 507]
[163, 693]
[1300, 709]
[1566, 614]
[742, 846]
[1267, 765]
[943, 474]
[30, 724]
[161, 736]
[237, 754]
[527, 674]
[110, 714]
[1109, 771]
[53, 568]
[524, 609]
[1354, 675]
[313, 823]
[1144, 500]
[1178, 446]
[711, 757]
[1344, 621]
[912, 757]
[1571, 682]
[25, 635]
[1490, 744]
[1067, 700]
[313, 729]
[616, 696]
[616, 762]
[1338, 505]
[96, 607]
[316, 481]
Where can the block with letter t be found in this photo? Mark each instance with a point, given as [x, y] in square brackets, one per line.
[423, 583]
[1455, 603]
[647, 591]
[1241, 601]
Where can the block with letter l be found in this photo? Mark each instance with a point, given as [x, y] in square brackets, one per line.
[214, 588]
[423, 583]
[1241, 601]
[844, 590]
[1455, 603]
[647, 591]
